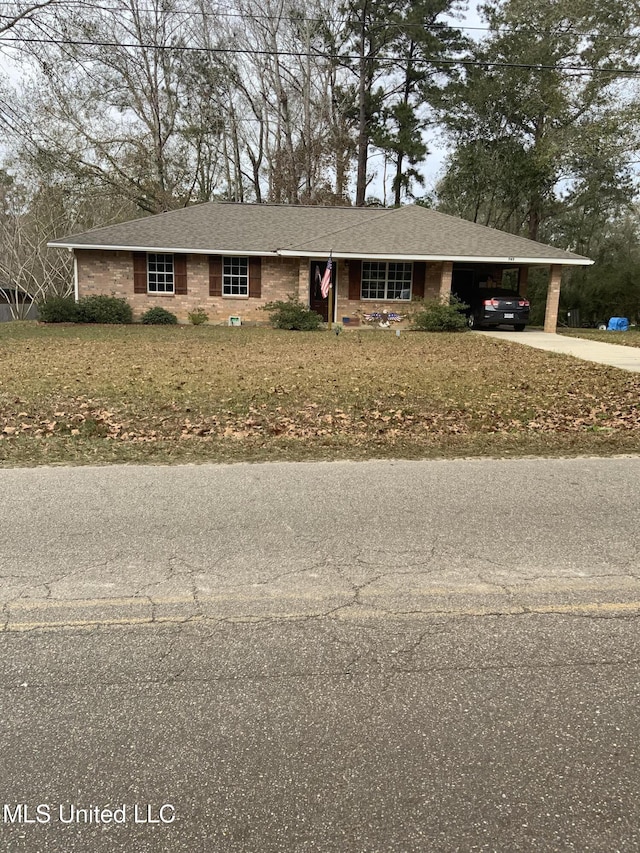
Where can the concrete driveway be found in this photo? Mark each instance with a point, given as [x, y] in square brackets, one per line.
[616, 355]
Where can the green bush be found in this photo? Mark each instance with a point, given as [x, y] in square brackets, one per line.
[198, 317]
[435, 316]
[159, 317]
[104, 309]
[59, 309]
[293, 314]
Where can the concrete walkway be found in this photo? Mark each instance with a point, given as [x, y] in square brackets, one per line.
[616, 355]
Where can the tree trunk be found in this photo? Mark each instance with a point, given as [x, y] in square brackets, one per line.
[363, 121]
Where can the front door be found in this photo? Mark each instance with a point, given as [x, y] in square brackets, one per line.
[316, 302]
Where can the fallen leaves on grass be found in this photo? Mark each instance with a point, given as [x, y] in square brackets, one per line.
[213, 388]
[630, 338]
[85, 417]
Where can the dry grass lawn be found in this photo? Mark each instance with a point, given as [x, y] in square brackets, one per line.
[100, 394]
[631, 338]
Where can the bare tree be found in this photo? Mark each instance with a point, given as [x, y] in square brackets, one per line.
[293, 131]
[32, 215]
[165, 103]
[29, 271]
[17, 14]
[129, 116]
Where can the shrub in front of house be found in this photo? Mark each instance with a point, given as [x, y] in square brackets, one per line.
[158, 317]
[432, 315]
[59, 309]
[198, 317]
[293, 314]
[104, 309]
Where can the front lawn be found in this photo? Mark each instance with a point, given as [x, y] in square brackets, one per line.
[101, 394]
[630, 338]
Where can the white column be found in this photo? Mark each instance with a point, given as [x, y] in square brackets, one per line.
[76, 286]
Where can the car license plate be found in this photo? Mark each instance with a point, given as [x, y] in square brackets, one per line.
[508, 316]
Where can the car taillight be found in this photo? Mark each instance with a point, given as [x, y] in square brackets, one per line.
[490, 303]
[523, 303]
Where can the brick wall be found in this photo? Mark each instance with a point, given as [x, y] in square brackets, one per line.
[111, 273]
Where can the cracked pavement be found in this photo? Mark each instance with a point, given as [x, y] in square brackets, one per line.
[386, 656]
[306, 541]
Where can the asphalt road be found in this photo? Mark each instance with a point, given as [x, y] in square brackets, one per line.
[437, 656]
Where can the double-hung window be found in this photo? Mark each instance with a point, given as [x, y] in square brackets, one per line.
[386, 280]
[235, 277]
[160, 277]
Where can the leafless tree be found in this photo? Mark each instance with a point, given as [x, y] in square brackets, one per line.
[28, 269]
[31, 216]
[16, 14]
[121, 109]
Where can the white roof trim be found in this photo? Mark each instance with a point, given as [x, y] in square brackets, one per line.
[292, 253]
[157, 250]
[475, 259]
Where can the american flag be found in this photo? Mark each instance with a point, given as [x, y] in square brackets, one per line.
[326, 279]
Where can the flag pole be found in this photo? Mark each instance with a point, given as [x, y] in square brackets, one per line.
[330, 291]
[326, 287]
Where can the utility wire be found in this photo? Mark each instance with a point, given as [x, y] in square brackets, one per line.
[254, 16]
[573, 69]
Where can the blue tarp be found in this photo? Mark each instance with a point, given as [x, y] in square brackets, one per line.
[618, 324]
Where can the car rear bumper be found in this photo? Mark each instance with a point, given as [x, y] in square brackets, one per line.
[506, 318]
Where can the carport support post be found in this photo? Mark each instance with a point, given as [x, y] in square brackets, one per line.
[523, 280]
[553, 299]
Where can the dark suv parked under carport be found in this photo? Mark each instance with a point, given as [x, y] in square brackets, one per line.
[493, 307]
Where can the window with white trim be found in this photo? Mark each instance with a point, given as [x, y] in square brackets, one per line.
[386, 280]
[235, 277]
[160, 273]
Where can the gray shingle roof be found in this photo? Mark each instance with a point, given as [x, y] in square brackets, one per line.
[262, 229]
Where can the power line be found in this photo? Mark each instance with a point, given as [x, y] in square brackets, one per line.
[579, 70]
[254, 16]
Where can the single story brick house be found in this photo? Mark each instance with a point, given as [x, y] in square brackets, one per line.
[230, 259]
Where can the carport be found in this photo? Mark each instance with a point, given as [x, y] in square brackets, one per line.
[467, 275]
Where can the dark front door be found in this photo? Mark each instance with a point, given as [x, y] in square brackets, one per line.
[316, 302]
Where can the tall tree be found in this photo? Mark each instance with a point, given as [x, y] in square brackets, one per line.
[424, 36]
[533, 90]
[397, 45]
[373, 28]
[120, 107]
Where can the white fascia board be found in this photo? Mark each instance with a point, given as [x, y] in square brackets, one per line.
[289, 253]
[456, 258]
[159, 251]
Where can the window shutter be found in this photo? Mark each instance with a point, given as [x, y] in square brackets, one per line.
[215, 275]
[355, 279]
[255, 277]
[180, 274]
[419, 272]
[139, 272]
